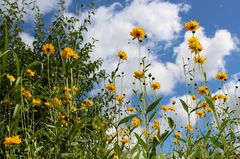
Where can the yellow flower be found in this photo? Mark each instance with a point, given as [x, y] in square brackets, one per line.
[208, 109]
[176, 142]
[135, 122]
[73, 108]
[57, 101]
[171, 108]
[131, 109]
[115, 156]
[190, 128]
[77, 120]
[122, 55]
[138, 74]
[89, 102]
[155, 85]
[125, 140]
[165, 108]
[194, 97]
[194, 45]
[26, 93]
[192, 25]
[137, 33]
[48, 49]
[11, 78]
[222, 76]
[203, 104]
[203, 90]
[156, 124]
[200, 113]
[111, 87]
[30, 73]
[48, 104]
[68, 53]
[74, 88]
[37, 102]
[12, 140]
[68, 95]
[120, 132]
[120, 98]
[84, 107]
[173, 102]
[178, 135]
[199, 59]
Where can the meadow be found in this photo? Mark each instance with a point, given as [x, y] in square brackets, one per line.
[47, 110]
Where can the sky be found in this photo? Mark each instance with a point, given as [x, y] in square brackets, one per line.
[163, 20]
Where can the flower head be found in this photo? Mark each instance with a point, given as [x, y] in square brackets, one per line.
[11, 78]
[176, 142]
[155, 85]
[122, 55]
[190, 127]
[156, 124]
[30, 73]
[123, 141]
[89, 102]
[138, 74]
[12, 140]
[36, 102]
[222, 76]
[26, 93]
[200, 113]
[199, 59]
[194, 45]
[84, 107]
[48, 104]
[208, 109]
[171, 108]
[137, 33]
[120, 98]
[192, 25]
[111, 87]
[57, 101]
[203, 104]
[136, 122]
[203, 90]
[165, 108]
[178, 135]
[48, 49]
[68, 53]
[194, 97]
[131, 109]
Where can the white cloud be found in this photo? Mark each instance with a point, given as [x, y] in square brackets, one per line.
[28, 39]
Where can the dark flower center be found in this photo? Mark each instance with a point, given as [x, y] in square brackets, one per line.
[48, 49]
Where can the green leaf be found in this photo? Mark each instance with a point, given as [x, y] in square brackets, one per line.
[185, 106]
[153, 105]
[152, 115]
[171, 122]
[140, 141]
[126, 119]
[16, 110]
[117, 149]
[210, 104]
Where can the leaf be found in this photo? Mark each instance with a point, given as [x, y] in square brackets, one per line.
[153, 105]
[117, 149]
[16, 110]
[126, 119]
[216, 142]
[185, 106]
[171, 122]
[152, 115]
[210, 104]
[140, 141]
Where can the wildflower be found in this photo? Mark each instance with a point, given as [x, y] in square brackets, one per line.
[57, 101]
[120, 98]
[68, 53]
[36, 102]
[127, 129]
[11, 78]
[125, 140]
[122, 55]
[120, 132]
[155, 85]
[111, 87]
[203, 104]
[135, 122]
[208, 109]
[173, 102]
[131, 109]
[190, 127]
[68, 95]
[194, 45]
[48, 49]
[66, 89]
[203, 90]
[138, 74]
[73, 108]
[165, 108]
[26, 93]
[199, 59]
[137, 33]
[30, 73]
[222, 76]
[77, 120]
[220, 96]
[192, 25]
[89, 102]
[84, 107]
[156, 124]
[200, 113]
[194, 97]
[176, 142]
[74, 88]
[225, 98]
[171, 108]
[178, 135]
[12, 140]
[115, 156]
[48, 104]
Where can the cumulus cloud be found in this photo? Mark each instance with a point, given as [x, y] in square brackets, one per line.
[28, 39]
